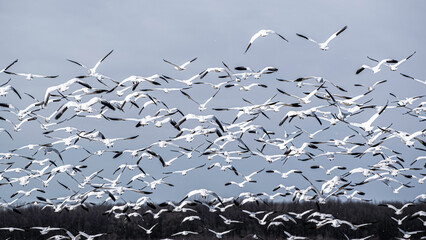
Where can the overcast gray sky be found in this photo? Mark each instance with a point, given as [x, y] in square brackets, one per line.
[43, 34]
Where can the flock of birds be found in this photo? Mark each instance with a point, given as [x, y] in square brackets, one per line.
[226, 138]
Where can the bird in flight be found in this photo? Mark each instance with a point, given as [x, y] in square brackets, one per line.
[262, 33]
[324, 45]
[180, 67]
[376, 68]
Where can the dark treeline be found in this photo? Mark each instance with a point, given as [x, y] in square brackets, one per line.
[95, 219]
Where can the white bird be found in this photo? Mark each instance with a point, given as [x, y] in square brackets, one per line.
[394, 67]
[328, 171]
[336, 223]
[220, 234]
[366, 126]
[408, 234]
[213, 69]
[287, 188]
[214, 86]
[91, 237]
[180, 67]
[247, 87]
[63, 87]
[46, 230]
[71, 236]
[406, 101]
[352, 195]
[252, 214]
[293, 237]
[4, 90]
[203, 193]
[421, 197]
[284, 174]
[187, 82]
[153, 184]
[249, 177]
[420, 213]
[284, 217]
[27, 193]
[185, 172]
[415, 79]
[11, 229]
[201, 106]
[324, 45]
[364, 238]
[398, 211]
[191, 218]
[371, 88]
[135, 80]
[262, 33]
[109, 142]
[148, 231]
[30, 76]
[407, 138]
[399, 221]
[349, 101]
[300, 215]
[93, 71]
[256, 75]
[157, 214]
[376, 68]
[8, 133]
[201, 119]
[8, 66]
[240, 184]
[83, 107]
[263, 220]
[228, 221]
[184, 233]
[304, 100]
[312, 135]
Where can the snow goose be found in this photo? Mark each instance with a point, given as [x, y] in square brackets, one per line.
[263, 33]
[324, 45]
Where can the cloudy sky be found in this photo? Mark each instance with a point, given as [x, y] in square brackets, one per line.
[43, 34]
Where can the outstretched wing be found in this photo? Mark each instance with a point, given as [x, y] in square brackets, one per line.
[335, 34]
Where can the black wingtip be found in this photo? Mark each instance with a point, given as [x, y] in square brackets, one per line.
[302, 36]
[341, 30]
[359, 70]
